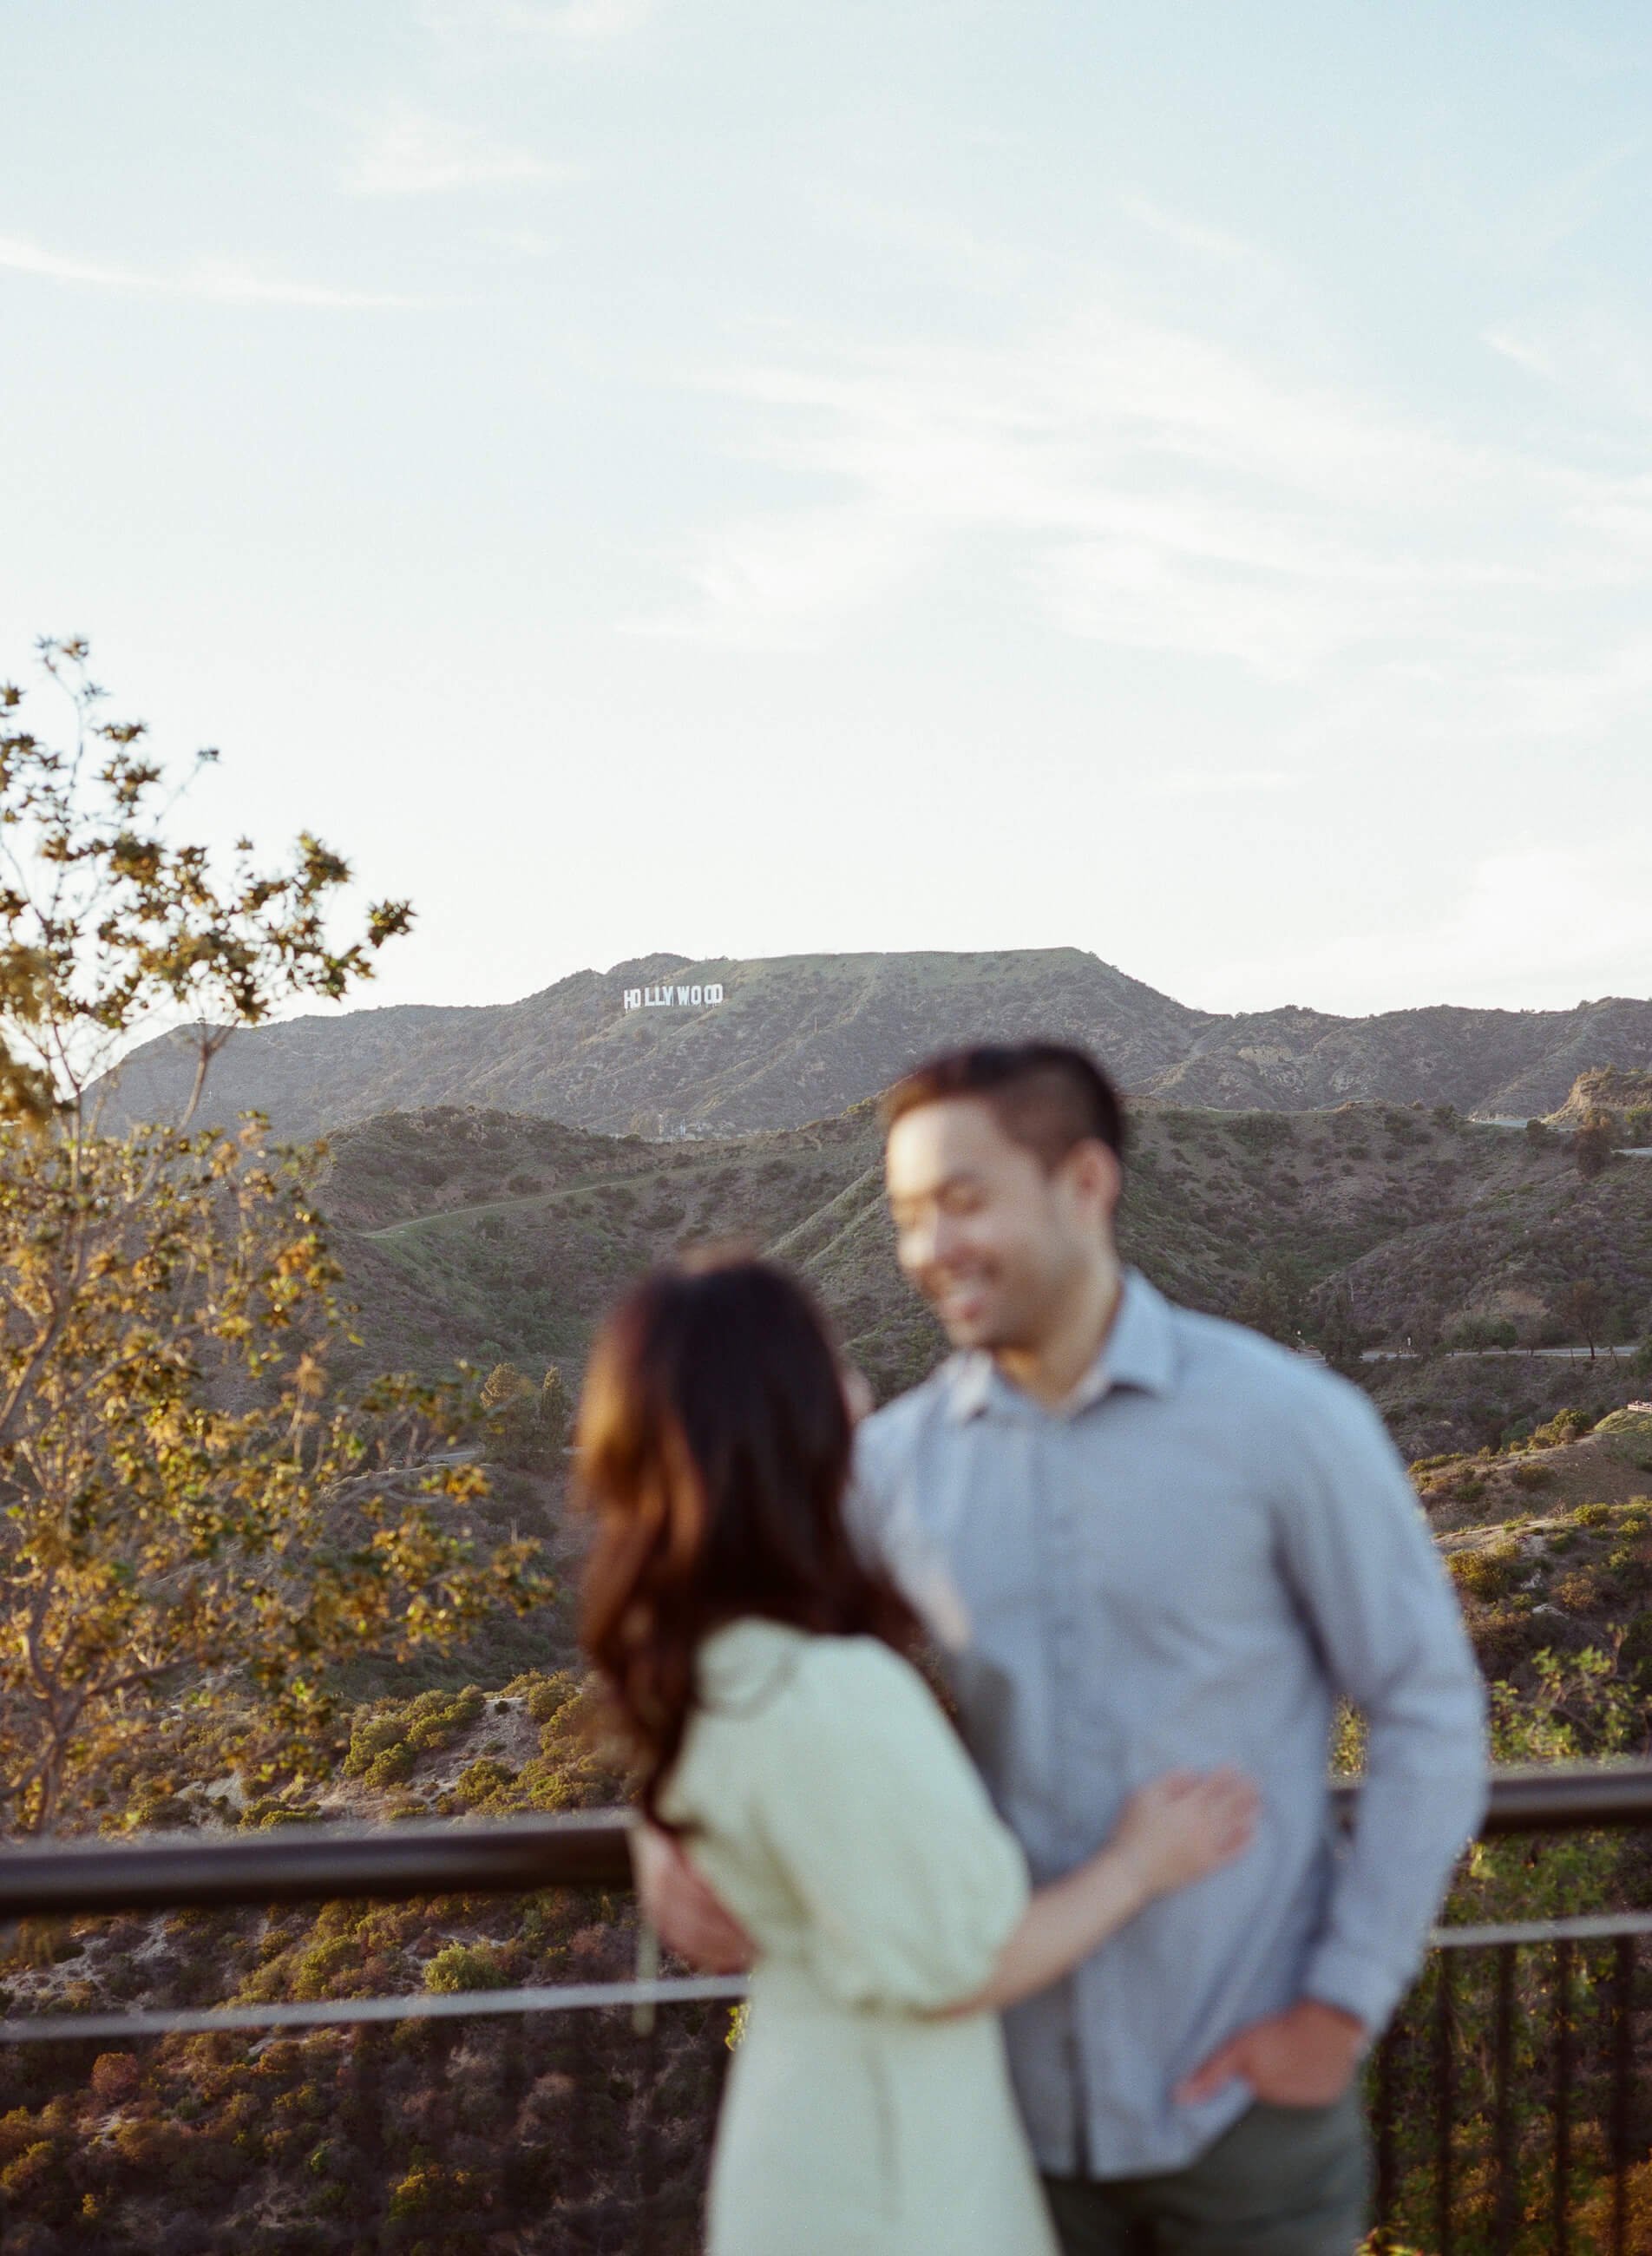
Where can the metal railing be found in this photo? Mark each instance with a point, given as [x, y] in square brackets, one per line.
[1502, 2016]
[579, 1849]
[1505, 2017]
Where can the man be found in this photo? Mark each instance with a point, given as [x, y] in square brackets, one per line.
[1144, 1540]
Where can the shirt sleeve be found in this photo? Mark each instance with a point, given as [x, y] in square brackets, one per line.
[910, 1884]
[1360, 1560]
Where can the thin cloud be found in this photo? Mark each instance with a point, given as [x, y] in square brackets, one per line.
[219, 283]
[1594, 353]
[408, 152]
[1197, 236]
[764, 584]
[1150, 488]
[561, 23]
[1208, 783]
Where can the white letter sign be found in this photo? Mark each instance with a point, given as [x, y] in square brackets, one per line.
[667, 998]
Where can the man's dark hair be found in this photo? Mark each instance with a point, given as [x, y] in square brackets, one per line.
[1045, 1095]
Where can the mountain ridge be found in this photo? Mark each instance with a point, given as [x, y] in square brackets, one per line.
[803, 1038]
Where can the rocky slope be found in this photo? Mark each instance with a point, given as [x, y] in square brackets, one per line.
[1550, 1545]
[1622, 1099]
[802, 1038]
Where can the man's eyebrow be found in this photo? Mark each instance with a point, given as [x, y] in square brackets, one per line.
[933, 1190]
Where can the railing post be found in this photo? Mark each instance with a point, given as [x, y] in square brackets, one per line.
[1387, 2070]
[366, 2120]
[513, 2088]
[1622, 2072]
[1444, 2101]
[1563, 2097]
[1503, 2049]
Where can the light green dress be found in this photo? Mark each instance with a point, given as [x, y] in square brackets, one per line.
[837, 1816]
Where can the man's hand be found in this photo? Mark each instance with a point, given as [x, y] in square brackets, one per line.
[1302, 2058]
[690, 1920]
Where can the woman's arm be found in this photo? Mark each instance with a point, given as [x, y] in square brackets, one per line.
[1172, 1832]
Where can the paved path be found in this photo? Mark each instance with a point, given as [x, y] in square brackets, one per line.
[1453, 1354]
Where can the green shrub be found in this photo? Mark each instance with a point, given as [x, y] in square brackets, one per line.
[1565, 1425]
[387, 1739]
[432, 2188]
[461, 1966]
[485, 1780]
[1587, 1590]
[1486, 1575]
[544, 1697]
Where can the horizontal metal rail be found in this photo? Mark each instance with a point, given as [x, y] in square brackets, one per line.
[1563, 1799]
[424, 2006]
[514, 1856]
[335, 2012]
[306, 1864]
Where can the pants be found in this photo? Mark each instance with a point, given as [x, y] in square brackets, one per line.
[1283, 2181]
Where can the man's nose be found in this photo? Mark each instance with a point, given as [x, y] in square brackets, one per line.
[918, 1243]
[946, 1239]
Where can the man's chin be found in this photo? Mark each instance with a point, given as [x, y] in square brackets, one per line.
[971, 1334]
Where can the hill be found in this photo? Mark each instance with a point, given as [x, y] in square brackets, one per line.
[802, 1038]
[499, 1237]
[1551, 1543]
[1622, 1099]
[1498, 1064]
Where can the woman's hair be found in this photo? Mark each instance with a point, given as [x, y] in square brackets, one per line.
[714, 1444]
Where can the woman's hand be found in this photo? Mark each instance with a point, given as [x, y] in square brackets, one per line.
[1173, 1831]
[690, 1919]
[1185, 1825]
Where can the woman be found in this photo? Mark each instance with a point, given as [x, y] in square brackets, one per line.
[760, 1667]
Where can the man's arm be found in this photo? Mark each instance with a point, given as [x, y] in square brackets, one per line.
[1364, 1569]
[687, 1914]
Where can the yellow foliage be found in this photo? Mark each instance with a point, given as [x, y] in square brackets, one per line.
[193, 1520]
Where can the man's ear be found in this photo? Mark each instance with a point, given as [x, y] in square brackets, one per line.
[1096, 1175]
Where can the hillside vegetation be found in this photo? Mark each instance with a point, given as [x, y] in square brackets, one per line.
[491, 1236]
[807, 1037]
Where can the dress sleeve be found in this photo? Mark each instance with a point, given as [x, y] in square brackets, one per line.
[909, 1882]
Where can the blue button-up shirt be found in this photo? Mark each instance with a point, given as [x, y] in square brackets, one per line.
[1185, 1564]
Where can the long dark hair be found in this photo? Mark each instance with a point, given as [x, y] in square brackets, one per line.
[714, 1444]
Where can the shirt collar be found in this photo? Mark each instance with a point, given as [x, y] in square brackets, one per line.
[1138, 1352]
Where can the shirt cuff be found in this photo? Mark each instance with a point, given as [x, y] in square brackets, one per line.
[1355, 1983]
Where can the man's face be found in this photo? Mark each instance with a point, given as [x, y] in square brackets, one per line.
[993, 1242]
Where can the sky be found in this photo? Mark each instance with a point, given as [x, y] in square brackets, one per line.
[771, 475]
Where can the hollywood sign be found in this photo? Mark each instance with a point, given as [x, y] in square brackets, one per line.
[671, 999]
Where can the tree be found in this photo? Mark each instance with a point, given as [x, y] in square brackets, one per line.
[1585, 1309]
[1340, 1335]
[556, 1410]
[195, 1524]
[529, 1425]
[1275, 1300]
[503, 1385]
[1592, 1146]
